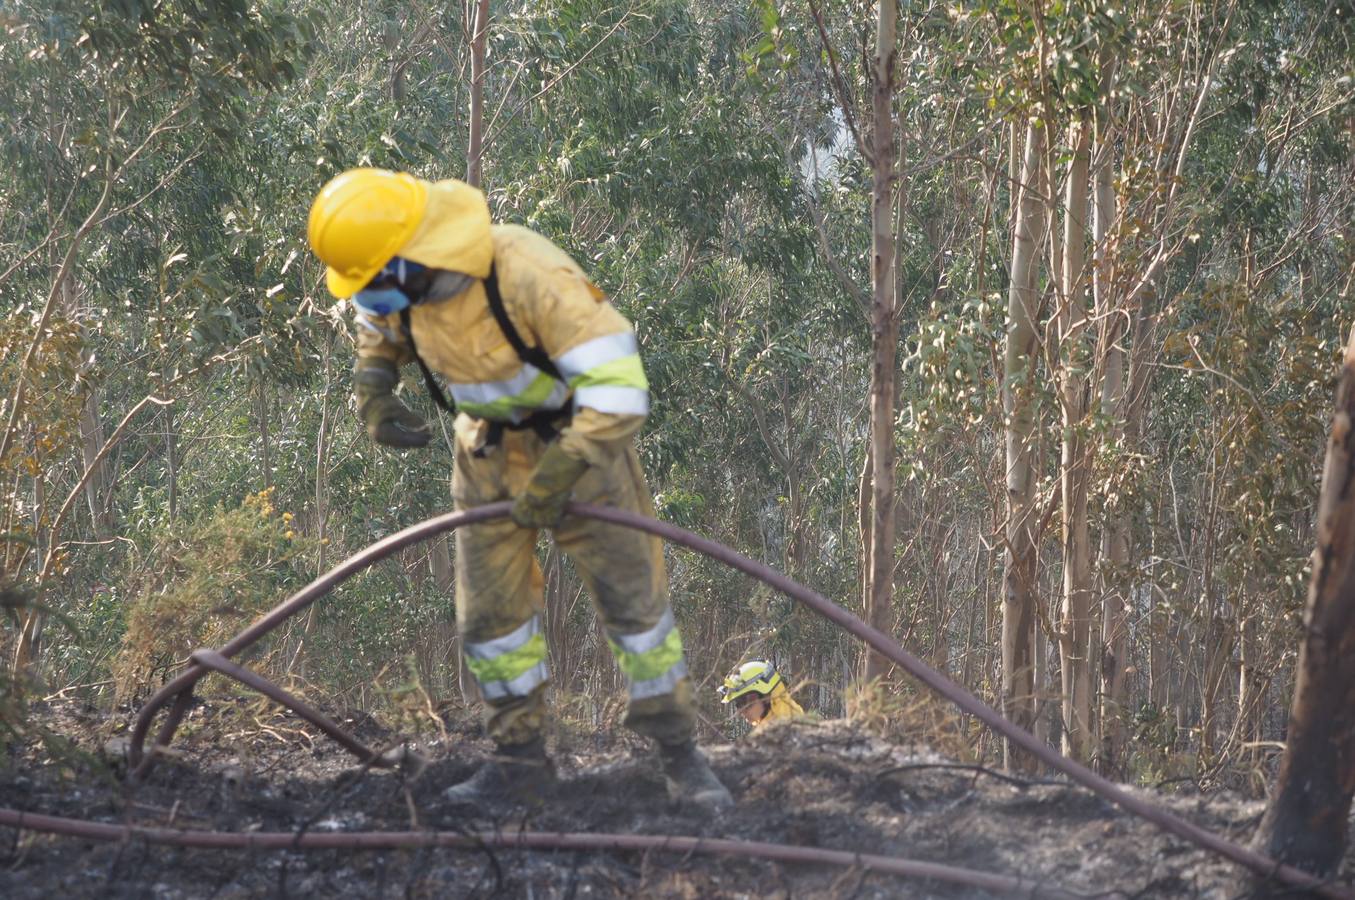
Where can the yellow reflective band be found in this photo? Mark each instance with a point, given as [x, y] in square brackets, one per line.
[651, 660]
[664, 684]
[507, 666]
[498, 646]
[624, 372]
[530, 389]
[489, 391]
[511, 665]
[599, 351]
[520, 686]
[644, 641]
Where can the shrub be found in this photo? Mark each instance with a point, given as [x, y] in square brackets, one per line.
[206, 581]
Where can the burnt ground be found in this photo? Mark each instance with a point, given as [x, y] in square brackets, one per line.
[239, 767]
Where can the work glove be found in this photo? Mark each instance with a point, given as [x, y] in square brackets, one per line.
[388, 420]
[542, 502]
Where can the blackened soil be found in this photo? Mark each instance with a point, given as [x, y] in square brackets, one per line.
[237, 766]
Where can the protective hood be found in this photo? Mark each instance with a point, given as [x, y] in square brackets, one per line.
[454, 231]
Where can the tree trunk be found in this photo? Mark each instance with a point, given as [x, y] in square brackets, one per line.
[321, 501]
[1218, 643]
[1041, 683]
[171, 466]
[100, 483]
[28, 648]
[1115, 530]
[265, 439]
[864, 481]
[1306, 819]
[797, 542]
[555, 620]
[440, 561]
[321, 466]
[1018, 406]
[1142, 364]
[884, 336]
[1075, 649]
[393, 38]
[475, 147]
[1250, 684]
[479, 33]
[91, 431]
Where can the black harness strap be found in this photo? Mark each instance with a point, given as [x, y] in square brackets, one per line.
[433, 389]
[534, 355]
[545, 422]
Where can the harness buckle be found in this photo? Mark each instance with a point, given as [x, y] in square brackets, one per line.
[546, 423]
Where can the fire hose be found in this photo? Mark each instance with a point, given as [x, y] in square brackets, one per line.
[535, 840]
[177, 694]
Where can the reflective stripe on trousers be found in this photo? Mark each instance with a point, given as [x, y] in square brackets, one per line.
[652, 660]
[512, 665]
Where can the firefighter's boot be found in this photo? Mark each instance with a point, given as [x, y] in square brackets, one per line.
[690, 779]
[517, 773]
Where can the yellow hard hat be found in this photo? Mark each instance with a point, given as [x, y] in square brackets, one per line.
[757, 676]
[360, 220]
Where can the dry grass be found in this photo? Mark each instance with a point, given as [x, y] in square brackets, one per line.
[903, 714]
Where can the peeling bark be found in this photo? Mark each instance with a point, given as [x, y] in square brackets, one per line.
[884, 329]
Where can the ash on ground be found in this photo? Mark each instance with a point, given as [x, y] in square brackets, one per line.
[237, 766]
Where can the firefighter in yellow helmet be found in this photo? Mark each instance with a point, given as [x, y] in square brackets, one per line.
[550, 389]
[759, 693]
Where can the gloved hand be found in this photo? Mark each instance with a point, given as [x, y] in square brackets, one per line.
[388, 420]
[392, 423]
[542, 502]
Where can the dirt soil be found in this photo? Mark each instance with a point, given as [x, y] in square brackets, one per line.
[237, 766]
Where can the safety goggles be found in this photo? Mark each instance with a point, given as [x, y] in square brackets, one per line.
[396, 286]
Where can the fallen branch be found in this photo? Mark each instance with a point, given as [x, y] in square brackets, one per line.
[978, 770]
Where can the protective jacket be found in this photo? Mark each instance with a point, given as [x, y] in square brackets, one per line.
[782, 706]
[551, 304]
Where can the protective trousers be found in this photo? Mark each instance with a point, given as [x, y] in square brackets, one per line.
[500, 583]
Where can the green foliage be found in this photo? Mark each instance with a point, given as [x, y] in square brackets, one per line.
[1156, 758]
[1054, 57]
[948, 373]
